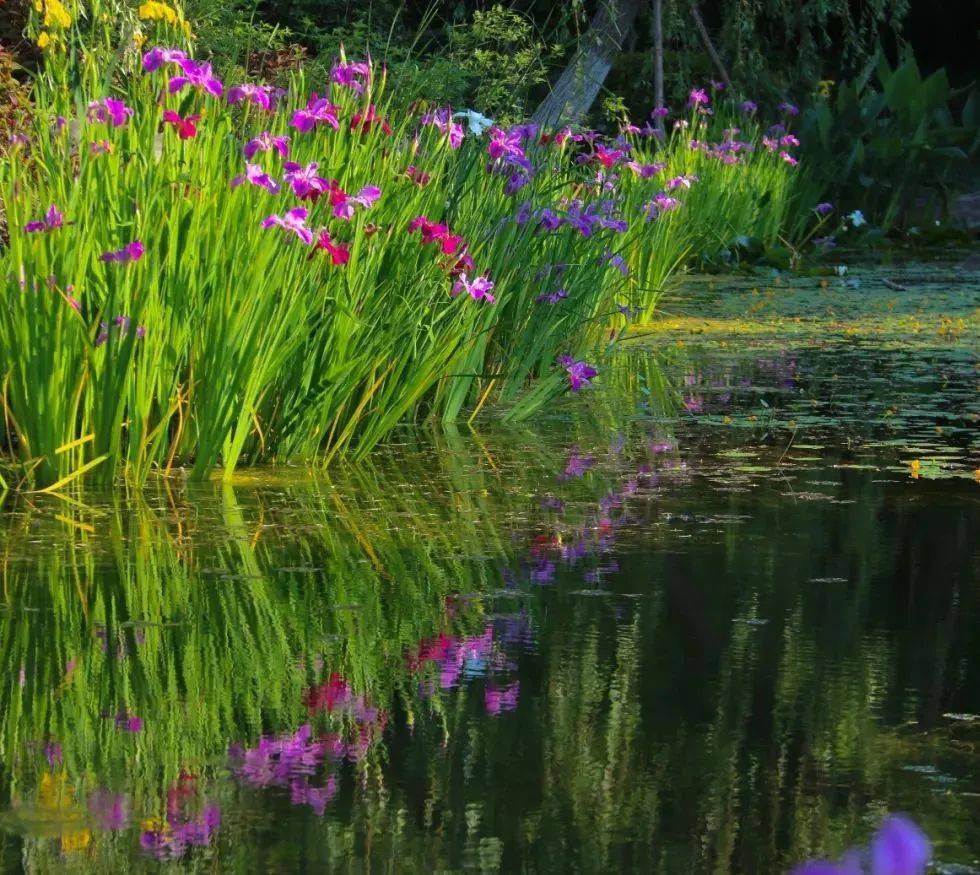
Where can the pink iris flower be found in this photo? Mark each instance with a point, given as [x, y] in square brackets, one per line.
[354, 75]
[698, 97]
[443, 120]
[479, 288]
[294, 221]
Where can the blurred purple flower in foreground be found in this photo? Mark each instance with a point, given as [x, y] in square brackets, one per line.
[899, 847]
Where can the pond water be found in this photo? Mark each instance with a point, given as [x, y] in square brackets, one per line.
[718, 615]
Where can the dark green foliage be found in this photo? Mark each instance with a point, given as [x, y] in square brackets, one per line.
[892, 142]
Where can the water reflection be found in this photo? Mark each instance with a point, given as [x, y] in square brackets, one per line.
[611, 643]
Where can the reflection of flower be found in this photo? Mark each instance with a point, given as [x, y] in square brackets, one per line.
[499, 699]
[174, 836]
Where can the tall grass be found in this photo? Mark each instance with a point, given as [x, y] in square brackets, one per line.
[227, 341]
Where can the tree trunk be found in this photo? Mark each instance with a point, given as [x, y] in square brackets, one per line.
[579, 84]
[657, 34]
[710, 47]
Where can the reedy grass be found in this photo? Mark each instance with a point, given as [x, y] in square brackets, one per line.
[258, 348]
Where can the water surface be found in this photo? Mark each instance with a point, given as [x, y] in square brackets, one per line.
[718, 616]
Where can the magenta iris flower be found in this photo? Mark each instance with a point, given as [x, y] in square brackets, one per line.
[109, 111]
[186, 128]
[789, 159]
[304, 180]
[130, 252]
[53, 218]
[698, 97]
[318, 111]
[255, 175]
[293, 221]
[661, 112]
[479, 288]
[260, 95]
[354, 76]
[198, 76]
[433, 232]
[580, 373]
[339, 252]
[155, 58]
[265, 142]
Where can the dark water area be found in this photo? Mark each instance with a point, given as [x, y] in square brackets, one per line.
[719, 615]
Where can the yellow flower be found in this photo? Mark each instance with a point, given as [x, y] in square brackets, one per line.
[43, 40]
[914, 467]
[159, 12]
[54, 13]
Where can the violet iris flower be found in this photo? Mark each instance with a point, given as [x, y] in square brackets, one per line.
[260, 95]
[552, 297]
[255, 175]
[265, 142]
[197, 75]
[479, 288]
[788, 108]
[318, 111]
[109, 110]
[293, 221]
[130, 252]
[748, 106]
[680, 182]
[899, 847]
[156, 57]
[134, 724]
[53, 218]
[580, 373]
[824, 209]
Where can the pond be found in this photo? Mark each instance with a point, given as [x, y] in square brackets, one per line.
[721, 614]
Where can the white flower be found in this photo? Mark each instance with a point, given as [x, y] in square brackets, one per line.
[841, 269]
[857, 219]
[476, 122]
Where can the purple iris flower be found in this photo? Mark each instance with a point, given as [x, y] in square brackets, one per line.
[552, 297]
[788, 108]
[354, 75]
[479, 288]
[256, 176]
[122, 323]
[130, 252]
[265, 142]
[824, 209]
[660, 112]
[53, 218]
[304, 180]
[344, 203]
[748, 106]
[109, 110]
[260, 95]
[197, 75]
[580, 373]
[680, 182]
[549, 220]
[128, 722]
[646, 171]
[156, 57]
[615, 261]
[318, 111]
[293, 221]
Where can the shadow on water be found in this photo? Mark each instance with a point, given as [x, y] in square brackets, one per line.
[714, 620]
